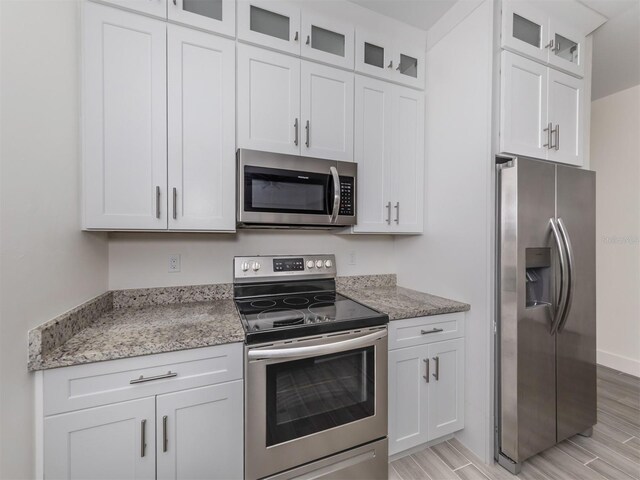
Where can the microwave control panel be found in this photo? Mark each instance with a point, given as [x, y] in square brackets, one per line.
[347, 196]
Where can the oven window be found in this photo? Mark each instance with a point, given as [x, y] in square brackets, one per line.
[315, 394]
[285, 191]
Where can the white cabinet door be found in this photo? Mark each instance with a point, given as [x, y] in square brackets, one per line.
[567, 50]
[157, 8]
[374, 54]
[112, 442]
[408, 407]
[525, 29]
[326, 112]
[201, 130]
[523, 117]
[565, 114]
[200, 433]
[268, 101]
[124, 120]
[327, 40]
[446, 387]
[214, 15]
[407, 162]
[408, 64]
[372, 151]
[271, 24]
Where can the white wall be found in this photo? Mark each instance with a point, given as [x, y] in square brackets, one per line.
[47, 265]
[615, 156]
[453, 257]
[141, 260]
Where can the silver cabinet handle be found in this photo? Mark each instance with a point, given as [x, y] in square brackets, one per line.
[426, 377]
[337, 193]
[308, 40]
[143, 437]
[389, 213]
[398, 67]
[157, 202]
[548, 130]
[165, 440]
[307, 134]
[434, 330]
[561, 302]
[390, 64]
[397, 207]
[557, 145]
[549, 45]
[570, 277]
[142, 379]
[295, 37]
[295, 130]
[436, 375]
[175, 203]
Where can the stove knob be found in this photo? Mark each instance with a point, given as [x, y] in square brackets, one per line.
[319, 263]
[328, 263]
[244, 266]
[256, 266]
[310, 264]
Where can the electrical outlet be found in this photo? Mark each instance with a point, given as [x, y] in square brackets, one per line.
[352, 257]
[174, 263]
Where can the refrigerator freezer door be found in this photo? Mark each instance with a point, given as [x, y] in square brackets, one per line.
[527, 347]
[576, 337]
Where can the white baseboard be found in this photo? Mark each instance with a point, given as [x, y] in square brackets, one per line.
[618, 362]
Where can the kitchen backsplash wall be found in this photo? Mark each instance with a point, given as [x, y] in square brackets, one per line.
[139, 260]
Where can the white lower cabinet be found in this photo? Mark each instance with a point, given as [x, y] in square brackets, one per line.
[180, 428]
[426, 384]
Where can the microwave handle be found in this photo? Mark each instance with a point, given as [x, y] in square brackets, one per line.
[336, 194]
[315, 350]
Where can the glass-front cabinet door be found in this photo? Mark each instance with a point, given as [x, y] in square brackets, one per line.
[274, 24]
[327, 40]
[374, 54]
[566, 51]
[524, 30]
[217, 16]
[408, 64]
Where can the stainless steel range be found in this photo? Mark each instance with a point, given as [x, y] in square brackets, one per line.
[315, 372]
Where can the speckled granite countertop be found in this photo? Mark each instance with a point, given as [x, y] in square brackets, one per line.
[129, 323]
[399, 302]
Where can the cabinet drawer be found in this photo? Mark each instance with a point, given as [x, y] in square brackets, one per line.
[84, 386]
[421, 330]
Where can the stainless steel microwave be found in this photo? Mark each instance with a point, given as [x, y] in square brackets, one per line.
[279, 191]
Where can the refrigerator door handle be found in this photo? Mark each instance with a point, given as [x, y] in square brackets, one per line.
[570, 274]
[560, 307]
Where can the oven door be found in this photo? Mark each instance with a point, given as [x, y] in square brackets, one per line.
[313, 398]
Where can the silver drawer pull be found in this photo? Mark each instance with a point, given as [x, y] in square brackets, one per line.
[142, 379]
[435, 330]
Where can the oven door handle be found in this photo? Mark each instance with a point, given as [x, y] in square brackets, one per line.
[315, 350]
[336, 194]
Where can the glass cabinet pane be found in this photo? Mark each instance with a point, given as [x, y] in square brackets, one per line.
[526, 30]
[269, 23]
[408, 66]
[565, 48]
[206, 8]
[327, 41]
[373, 55]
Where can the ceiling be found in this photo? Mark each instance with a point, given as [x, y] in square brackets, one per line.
[422, 14]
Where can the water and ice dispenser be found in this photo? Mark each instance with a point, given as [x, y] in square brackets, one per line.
[538, 276]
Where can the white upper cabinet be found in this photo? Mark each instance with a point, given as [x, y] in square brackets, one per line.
[566, 114]
[112, 441]
[217, 16]
[530, 30]
[271, 24]
[157, 8]
[407, 165]
[523, 121]
[389, 150]
[542, 112]
[268, 101]
[200, 433]
[201, 165]
[326, 112]
[395, 60]
[327, 40]
[124, 120]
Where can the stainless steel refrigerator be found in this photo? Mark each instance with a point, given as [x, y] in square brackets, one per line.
[546, 325]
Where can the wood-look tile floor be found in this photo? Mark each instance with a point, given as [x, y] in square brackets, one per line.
[613, 452]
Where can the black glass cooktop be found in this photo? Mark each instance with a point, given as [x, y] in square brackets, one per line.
[278, 317]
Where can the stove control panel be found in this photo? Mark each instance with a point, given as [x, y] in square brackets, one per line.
[283, 267]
